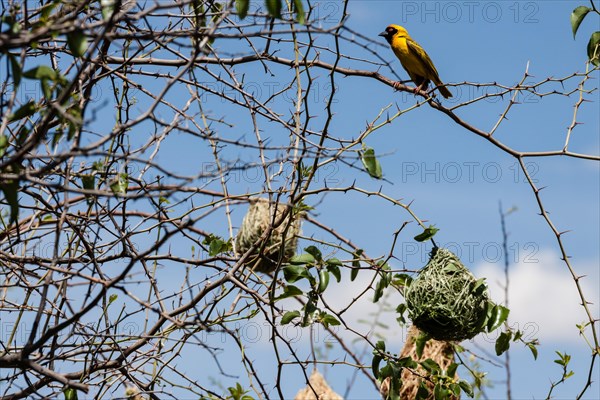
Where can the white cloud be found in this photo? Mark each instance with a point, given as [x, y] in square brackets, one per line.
[543, 298]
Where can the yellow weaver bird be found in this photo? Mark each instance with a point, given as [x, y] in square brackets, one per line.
[414, 59]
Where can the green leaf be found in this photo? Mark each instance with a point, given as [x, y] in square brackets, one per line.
[242, 7]
[593, 49]
[333, 266]
[299, 8]
[3, 145]
[26, 110]
[89, 183]
[70, 393]
[502, 343]
[427, 234]
[293, 273]
[108, 7]
[402, 280]
[431, 366]
[422, 392]
[355, 264]
[497, 318]
[533, 349]
[466, 387]
[120, 184]
[451, 371]
[289, 291]
[440, 393]
[10, 188]
[375, 365]
[112, 298]
[323, 280]
[420, 342]
[371, 163]
[77, 42]
[577, 17]
[41, 72]
[328, 319]
[316, 253]
[15, 67]
[289, 316]
[382, 284]
[303, 259]
[380, 345]
[274, 8]
[401, 309]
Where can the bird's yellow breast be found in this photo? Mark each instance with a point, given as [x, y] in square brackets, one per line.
[410, 61]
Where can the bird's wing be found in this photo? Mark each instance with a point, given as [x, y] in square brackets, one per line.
[426, 63]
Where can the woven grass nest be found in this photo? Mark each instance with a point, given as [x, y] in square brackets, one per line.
[441, 352]
[279, 246]
[320, 385]
[445, 300]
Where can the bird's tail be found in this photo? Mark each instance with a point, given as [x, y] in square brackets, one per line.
[443, 90]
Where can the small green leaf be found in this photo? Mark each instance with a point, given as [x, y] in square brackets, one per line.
[533, 350]
[593, 49]
[3, 145]
[274, 8]
[323, 280]
[303, 259]
[108, 7]
[427, 234]
[120, 184]
[299, 8]
[402, 280]
[333, 266]
[26, 110]
[10, 188]
[422, 392]
[577, 17]
[316, 253]
[375, 365]
[89, 183]
[112, 298]
[41, 72]
[401, 309]
[289, 316]
[293, 273]
[466, 387]
[497, 318]
[420, 342]
[289, 291]
[451, 371]
[502, 343]
[379, 288]
[15, 67]
[431, 366]
[77, 42]
[70, 393]
[355, 264]
[371, 163]
[328, 319]
[242, 7]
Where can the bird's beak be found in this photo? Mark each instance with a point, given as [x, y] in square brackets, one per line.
[384, 34]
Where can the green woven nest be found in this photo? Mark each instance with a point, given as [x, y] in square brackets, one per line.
[445, 300]
[281, 243]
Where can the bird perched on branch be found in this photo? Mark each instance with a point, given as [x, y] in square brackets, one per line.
[414, 59]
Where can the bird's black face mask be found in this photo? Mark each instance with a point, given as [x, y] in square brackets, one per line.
[389, 33]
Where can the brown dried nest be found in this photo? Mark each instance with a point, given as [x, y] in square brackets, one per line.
[320, 386]
[282, 242]
[439, 351]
